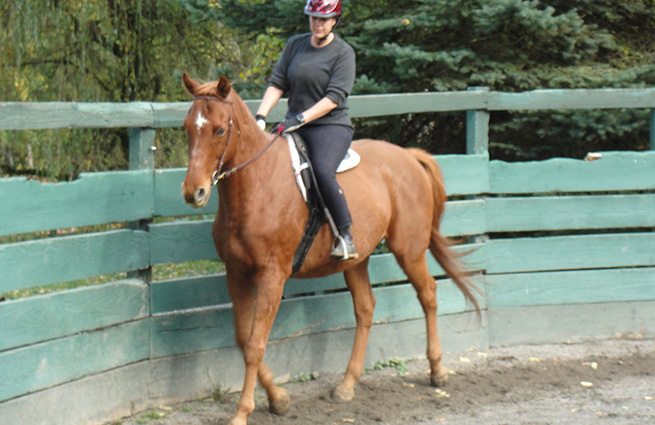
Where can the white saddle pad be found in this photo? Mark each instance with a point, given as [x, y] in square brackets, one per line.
[350, 161]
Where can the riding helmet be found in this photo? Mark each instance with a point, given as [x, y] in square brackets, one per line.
[323, 8]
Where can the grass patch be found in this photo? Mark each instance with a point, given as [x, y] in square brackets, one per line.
[64, 286]
[220, 394]
[150, 416]
[399, 365]
[193, 268]
[159, 272]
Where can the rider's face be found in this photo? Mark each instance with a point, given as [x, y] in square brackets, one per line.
[320, 27]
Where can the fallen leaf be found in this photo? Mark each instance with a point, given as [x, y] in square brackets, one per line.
[441, 393]
[534, 359]
[465, 360]
[586, 384]
[349, 421]
[649, 398]
[592, 365]
[406, 385]
[440, 420]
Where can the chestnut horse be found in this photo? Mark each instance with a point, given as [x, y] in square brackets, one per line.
[394, 193]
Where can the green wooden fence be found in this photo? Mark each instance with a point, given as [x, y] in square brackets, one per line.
[565, 252]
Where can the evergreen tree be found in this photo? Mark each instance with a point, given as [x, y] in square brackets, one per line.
[507, 45]
[124, 50]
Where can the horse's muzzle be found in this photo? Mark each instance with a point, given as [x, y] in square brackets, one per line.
[197, 198]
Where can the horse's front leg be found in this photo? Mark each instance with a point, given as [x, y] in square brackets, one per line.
[253, 321]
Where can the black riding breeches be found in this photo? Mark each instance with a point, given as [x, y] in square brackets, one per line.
[327, 145]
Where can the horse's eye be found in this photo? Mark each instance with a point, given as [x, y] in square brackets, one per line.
[220, 132]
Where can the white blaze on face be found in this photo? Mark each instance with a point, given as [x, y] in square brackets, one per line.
[200, 121]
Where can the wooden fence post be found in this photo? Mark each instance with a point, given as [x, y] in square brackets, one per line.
[477, 128]
[142, 157]
[652, 129]
[477, 143]
[142, 148]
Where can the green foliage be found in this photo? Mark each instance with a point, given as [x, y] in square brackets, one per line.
[159, 272]
[552, 133]
[220, 394]
[305, 377]
[126, 50]
[118, 51]
[399, 365]
[63, 154]
[506, 45]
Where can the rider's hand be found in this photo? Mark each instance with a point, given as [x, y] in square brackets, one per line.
[291, 124]
[261, 121]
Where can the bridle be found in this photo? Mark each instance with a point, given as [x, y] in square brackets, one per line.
[219, 175]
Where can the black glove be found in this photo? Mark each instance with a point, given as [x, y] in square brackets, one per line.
[291, 124]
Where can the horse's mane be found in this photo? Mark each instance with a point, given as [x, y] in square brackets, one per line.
[208, 89]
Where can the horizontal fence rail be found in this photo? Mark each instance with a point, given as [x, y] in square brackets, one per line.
[20, 116]
[563, 248]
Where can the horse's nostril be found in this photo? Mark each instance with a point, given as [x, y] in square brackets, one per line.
[200, 194]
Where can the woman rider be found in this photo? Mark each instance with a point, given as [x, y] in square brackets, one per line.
[317, 69]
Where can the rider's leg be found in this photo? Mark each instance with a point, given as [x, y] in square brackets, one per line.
[327, 145]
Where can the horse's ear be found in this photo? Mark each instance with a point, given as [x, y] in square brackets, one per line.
[190, 85]
[223, 88]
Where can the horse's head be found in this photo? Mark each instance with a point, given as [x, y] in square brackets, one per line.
[209, 126]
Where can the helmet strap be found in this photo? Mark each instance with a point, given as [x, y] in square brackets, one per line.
[322, 39]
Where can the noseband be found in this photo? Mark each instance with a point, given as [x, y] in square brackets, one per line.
[219, 175]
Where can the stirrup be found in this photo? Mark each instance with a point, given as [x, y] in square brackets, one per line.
[346, 255]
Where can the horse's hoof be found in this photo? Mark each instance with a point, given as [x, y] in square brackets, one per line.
[439, 381]
[281, 405]
[343, 394]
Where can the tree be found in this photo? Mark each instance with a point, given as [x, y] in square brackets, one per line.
[124, 50]
[113, 50]
[506, 45]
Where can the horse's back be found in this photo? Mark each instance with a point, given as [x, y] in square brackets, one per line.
[379, 152]
[398, 166]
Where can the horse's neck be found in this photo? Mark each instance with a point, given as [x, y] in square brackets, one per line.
[261, 175]
[255, 192]
[252, 140]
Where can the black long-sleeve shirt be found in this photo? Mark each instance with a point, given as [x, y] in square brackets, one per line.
[309, 74]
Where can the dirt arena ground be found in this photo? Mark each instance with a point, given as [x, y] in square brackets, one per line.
[610, 382]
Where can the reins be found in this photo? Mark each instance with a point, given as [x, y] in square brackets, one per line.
[219, 175]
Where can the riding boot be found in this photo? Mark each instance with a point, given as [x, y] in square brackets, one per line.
[344, 248]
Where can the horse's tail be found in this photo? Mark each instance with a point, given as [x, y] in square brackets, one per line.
[439, 244]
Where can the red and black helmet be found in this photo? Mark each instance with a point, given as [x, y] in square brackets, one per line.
[323, 8]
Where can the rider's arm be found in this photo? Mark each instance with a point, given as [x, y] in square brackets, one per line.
[320, 108]
[271, 97]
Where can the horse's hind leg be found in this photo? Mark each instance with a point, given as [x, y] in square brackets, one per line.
[426, 291]
[243, 301]
[364, 302]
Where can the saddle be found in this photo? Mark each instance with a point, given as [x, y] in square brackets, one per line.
[306, 181]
